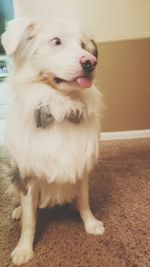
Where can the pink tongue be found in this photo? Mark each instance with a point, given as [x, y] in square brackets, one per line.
[84, 82]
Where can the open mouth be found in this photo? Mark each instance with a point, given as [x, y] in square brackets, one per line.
[82, 81]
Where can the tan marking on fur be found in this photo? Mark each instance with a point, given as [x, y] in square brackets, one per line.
[48, 79]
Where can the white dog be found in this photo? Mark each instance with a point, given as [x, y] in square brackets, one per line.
[54, 123]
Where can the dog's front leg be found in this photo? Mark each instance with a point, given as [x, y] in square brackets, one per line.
[92, 225]
[23, 252]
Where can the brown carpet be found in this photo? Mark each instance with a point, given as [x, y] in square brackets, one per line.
[120, 197]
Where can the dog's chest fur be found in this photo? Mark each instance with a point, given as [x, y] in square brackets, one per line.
[55, 194]
[63, 151]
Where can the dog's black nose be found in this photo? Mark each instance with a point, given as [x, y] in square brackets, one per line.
[87, 66]
[88, 63]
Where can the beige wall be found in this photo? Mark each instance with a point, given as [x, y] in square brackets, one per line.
[107, 19]
[124, 78]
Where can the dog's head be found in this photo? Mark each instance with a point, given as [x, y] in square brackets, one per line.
[60, 54]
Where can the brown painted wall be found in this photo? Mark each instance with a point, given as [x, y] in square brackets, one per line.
[123, 74]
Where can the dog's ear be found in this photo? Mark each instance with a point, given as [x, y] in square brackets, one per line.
[11, 37]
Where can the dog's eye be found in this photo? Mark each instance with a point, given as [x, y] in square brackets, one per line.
[56, 41]
[83, 45]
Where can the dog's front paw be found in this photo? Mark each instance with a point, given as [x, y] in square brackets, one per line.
[16, 215]
[75, 116]
[76, 112]
[95, 227]
[21, 255]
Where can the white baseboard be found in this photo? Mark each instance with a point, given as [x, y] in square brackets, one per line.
[125, 135]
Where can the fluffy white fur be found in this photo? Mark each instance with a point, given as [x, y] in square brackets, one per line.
[59, 158]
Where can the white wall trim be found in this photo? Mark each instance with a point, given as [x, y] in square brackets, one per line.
[125, 135]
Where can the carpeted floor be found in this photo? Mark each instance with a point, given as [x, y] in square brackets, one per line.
[120, 197]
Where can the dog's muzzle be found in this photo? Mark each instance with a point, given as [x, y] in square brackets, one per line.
[88, 63]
